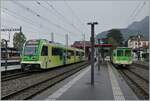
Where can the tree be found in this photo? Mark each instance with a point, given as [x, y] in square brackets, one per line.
[113, 42]
[115, 37]
[18, 40]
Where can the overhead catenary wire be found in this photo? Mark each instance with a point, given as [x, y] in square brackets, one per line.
[14, 22]
[42, 6]
[136, 14]
[18, 18]
[24, 19]
[41, 17]
[75, 15]
[62, 16]
[36, 14]
[136, 11]
[39, 3]
[28, 30]
[50, 22]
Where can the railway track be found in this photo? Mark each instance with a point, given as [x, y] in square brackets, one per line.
[138, 84]
[143, 74]
[141, 66]
[28, 92]
[14, 76]
[4, 73]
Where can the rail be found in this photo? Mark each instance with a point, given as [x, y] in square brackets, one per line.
[138, 83]
[34, 89]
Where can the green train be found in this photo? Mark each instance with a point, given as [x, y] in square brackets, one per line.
[41, 54]
[122, 56]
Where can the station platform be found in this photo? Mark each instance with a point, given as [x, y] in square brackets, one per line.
[11, 67]
[108, 85]
[3, 61]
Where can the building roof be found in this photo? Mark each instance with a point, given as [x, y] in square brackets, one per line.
[81, 43]
[137, 38]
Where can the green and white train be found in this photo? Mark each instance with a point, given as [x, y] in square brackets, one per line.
[122, 56]
[41, 54]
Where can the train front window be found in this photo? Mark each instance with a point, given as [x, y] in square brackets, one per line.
[119, 52]
[30, 49]
[127, 52]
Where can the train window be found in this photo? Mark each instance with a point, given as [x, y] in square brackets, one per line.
[119, 52]
[82, 53]
[114, 54]
[30, 50]
[77, 53]
[127, 52]
[57, 51]
[44, 51]
[71, 53]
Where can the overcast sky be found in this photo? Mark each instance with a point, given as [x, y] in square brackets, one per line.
[39, 20]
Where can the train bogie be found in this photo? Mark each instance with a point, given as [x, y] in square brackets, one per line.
[27, 66]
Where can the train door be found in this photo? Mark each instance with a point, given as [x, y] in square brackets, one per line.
[80, 56]
[64, 57]
[44, 55]
[49, 56]
[74, 53]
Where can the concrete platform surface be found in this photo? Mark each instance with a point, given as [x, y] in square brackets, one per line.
[3, 61]
[108, 86]
[10, 67]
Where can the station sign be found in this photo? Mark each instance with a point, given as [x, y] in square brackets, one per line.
[14, 29]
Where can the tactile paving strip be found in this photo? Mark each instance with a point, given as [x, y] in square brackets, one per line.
[118, 95]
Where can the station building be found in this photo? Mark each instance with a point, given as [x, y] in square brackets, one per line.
[12, 53]
[138, 42]
[139, 45]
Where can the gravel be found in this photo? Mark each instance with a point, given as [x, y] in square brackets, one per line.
[140, 71]
[11, 86]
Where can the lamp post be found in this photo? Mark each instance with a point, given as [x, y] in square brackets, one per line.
[98, 56]
[84, 44]
[92, 50]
